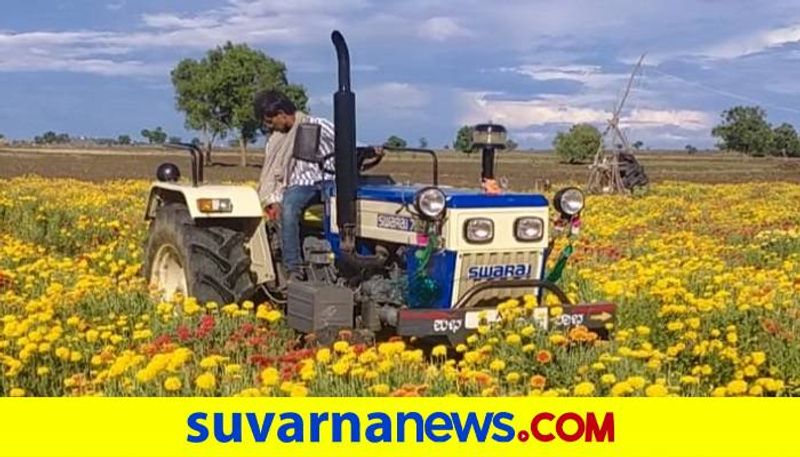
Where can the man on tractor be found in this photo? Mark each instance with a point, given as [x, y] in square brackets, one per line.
[288, 186]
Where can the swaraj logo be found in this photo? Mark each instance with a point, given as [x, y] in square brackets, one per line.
[509, 271]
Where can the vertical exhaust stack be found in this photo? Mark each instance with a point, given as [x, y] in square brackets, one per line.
[344, 120]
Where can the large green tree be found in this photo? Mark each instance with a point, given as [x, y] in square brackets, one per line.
[580, 143]
[463, 140]
[395, 141]
[744, 129]
[156, 136]
[785, 141]
[216, 93]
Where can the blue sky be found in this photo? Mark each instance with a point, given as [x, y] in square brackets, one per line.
[421, 68]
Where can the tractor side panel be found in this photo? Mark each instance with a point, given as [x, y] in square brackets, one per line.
[244, 199]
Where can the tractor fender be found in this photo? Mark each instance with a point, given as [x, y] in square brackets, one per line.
[244, 200]
[246, 210]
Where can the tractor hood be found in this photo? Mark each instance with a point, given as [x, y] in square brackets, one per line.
[456, 198]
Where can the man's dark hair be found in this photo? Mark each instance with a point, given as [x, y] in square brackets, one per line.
[269, 102]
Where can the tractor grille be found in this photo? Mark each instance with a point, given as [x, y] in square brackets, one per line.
[468, 260]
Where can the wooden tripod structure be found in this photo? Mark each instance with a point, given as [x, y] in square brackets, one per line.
[605, 176]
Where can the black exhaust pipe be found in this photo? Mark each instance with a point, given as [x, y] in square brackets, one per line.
[344, 129]
[344, 121]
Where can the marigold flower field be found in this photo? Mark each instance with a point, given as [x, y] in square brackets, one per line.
[707, 278]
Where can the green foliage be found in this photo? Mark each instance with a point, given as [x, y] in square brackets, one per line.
[744, 129]
[216, 93]
[124, 139]
[423, 142]
[690, 149]
[579, 144]
[639, 144]
[51, 137]
[511, 145]
[395, 141]
[175, 139]
[463, 141]
[785, 141]
[157, 136]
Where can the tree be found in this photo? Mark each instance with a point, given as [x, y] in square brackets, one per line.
[511, 145]
[744, 129]
[785, 141]
[395, 142]
[216, 93]
[690, 149]
[157, 136]
[423, 143]
[638, 145]
[463, 141]
[124, 139]
[579, 144]
[175, 139]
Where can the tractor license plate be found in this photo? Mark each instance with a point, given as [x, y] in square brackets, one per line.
[472, 319]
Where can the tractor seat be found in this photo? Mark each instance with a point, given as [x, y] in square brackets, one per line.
[313, 216]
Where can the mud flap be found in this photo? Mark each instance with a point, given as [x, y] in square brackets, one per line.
[457, 324]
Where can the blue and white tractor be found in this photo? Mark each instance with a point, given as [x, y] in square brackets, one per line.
[423, 260]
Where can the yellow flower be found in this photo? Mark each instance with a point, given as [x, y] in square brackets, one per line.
[759, 358]
[608, 379]
[233, 369]
[528, 331]
[172, 383]
[513, 339]
[461, 348]
[497, 365]
[621, 389]
[270, 376]
[62, 353]
[583, 389]
[206, 381]
[656, 390]
[719, 392]
[737, 387]
[439, 351]
[323, 355]
[298, 390]
[513, 377]
[341, 347]
[379, 389]
[637, 382]
[16, 392]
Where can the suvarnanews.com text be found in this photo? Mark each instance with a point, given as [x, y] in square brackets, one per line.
[401, 427]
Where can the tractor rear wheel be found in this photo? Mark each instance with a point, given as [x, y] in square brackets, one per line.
[208, 263]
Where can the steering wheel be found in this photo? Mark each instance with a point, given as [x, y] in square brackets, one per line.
[368, 158]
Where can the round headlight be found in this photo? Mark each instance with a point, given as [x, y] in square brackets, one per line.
[430, 202]
[529, 229]
[168, 172]
[479, 230]
[569, 201]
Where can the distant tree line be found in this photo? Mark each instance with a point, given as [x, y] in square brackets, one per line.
[745, 129]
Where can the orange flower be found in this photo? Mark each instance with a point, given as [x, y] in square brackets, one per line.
[544, 356]
[538, 381]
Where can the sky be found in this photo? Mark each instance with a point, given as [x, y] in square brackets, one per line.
[421, 68]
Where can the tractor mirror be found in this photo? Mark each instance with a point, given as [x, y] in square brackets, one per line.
[306, 143]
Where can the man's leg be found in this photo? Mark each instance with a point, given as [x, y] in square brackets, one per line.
[295, 200]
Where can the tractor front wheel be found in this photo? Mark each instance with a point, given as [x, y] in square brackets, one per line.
[208, 263]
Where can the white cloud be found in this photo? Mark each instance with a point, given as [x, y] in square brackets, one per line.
[442, 29]
[393, 97]
[753, 43]
[173, 21]
[523, 114]
[115, 6]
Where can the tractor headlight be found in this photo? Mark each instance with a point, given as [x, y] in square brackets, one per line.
[569, 201]
[529, 229]
[479, 230]
[430, 202]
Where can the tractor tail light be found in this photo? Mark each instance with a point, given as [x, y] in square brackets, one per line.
[214, 205]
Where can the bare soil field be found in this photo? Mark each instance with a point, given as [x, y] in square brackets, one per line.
[521, 169]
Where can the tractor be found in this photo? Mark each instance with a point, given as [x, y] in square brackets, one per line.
[422, 260]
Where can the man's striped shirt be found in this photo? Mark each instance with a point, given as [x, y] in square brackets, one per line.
[302, 173]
